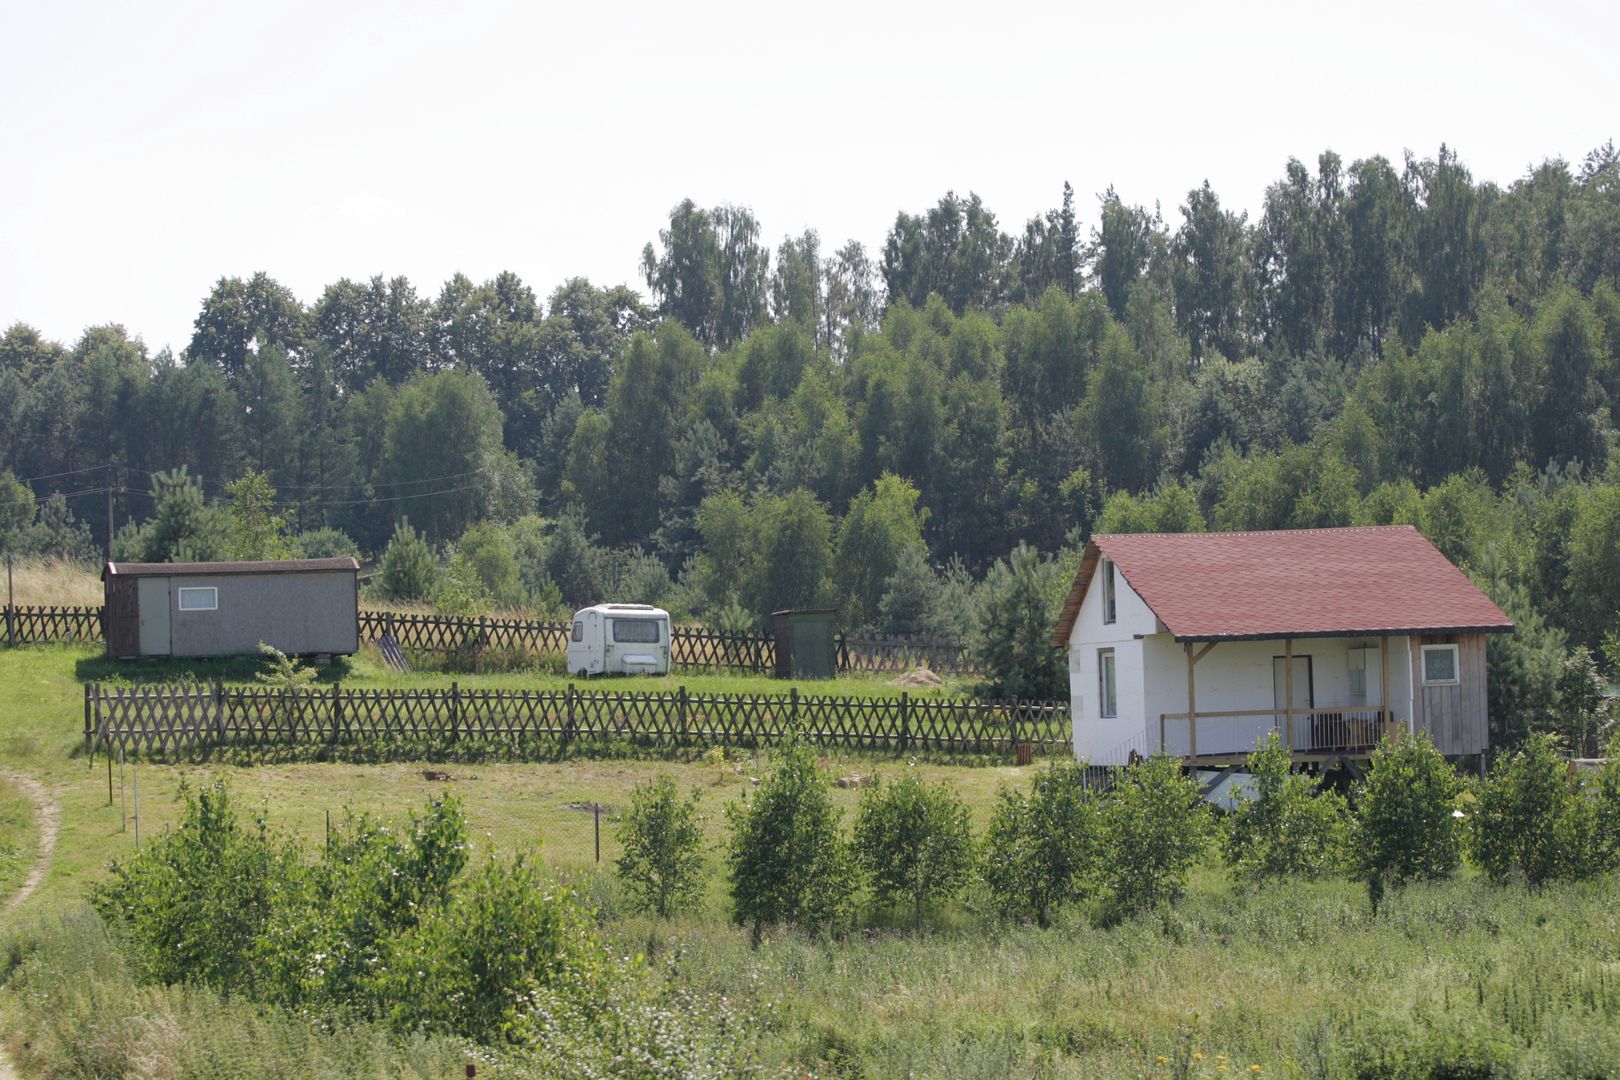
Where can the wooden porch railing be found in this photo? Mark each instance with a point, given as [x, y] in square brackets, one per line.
[1351, 729]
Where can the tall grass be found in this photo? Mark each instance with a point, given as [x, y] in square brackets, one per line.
[56, 582]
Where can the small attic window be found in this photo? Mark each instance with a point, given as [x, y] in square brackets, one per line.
[1110, 609]
[198, 599]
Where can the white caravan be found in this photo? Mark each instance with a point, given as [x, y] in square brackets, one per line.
[619, 639]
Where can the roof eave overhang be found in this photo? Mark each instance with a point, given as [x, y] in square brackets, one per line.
[1400, 631]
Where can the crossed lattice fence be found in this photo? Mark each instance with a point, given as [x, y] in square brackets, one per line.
[692, 648]
[179, 720]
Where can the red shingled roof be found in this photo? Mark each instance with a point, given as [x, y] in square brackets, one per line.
[1293, 583]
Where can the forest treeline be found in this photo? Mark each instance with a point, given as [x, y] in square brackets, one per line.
[767, 427]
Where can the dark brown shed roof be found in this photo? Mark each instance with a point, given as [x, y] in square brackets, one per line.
[193, 569]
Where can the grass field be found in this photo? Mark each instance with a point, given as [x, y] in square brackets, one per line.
[1453, 980]
[17, 837]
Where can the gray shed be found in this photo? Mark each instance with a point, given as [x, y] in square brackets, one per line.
[301, 606]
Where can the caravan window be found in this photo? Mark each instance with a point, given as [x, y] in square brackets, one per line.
[636, 631]
[579, 630]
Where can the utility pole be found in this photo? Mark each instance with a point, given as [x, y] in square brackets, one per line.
[112, 475]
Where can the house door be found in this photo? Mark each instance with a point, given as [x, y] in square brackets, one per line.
[1304, 697]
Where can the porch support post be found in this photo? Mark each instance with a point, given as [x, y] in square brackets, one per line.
[1192, 705]
[1288, 683]
[1383, 695]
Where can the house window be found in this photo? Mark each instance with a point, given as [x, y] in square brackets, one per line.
[1440, 665]
[198, 599]
[1107, 698]
[1110, 611]
[579, 630]
[636, 631]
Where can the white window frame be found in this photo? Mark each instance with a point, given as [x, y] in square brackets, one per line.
[180, 598]
[1107, 664]
[1110, 594]
[1456, 665]
[579, 631]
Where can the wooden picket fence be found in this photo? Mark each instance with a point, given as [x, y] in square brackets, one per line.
[172, 721]
[692, 648]
[26, 624]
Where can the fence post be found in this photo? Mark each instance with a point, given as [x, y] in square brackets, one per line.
[219, 713]
[843, 650]
[905, 722]
[89, 738]
[455, 709]
[793, 706]
[337, 710]
[596, 817]
[568, 721]
[680, 705]
[11, 607]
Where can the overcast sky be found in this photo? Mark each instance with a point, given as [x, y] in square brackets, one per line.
[153, 148]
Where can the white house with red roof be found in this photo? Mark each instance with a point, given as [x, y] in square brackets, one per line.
[1198, 644]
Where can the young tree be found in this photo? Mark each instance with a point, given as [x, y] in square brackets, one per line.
[1533, 820]
[1155, 826]
[1042, 847]
[787, 861]
[662, 864]
[882, 525]
[1284, 827]
[409, 570]
[1016, 653]
[914, 842]
[256, 531]
[1405, 829]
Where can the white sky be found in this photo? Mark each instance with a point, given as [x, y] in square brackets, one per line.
[153, 148]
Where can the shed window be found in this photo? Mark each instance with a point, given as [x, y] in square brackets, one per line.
[198, 599]
[1110, 610]
[1440, 665]
[1107, 698]
[636, 631]
[579, 630]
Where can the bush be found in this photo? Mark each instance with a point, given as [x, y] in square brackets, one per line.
[1532, 820]
[787, 862]
[1404, 828]
[1041, 848]
[914, 842]
[1286, 827]
[409, 571]
[662, 864]
[1607, 825]
[507, 943]
[332, 927]
[1155, 826]
[190, 904]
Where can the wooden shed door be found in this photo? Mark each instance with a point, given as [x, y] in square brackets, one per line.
[123, 617]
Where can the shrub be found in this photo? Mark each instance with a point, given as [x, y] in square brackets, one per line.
[1285, 827]
[914, 842]
[189, 905]
[662, 864]
[787, 862]
[1607, 825]
[1155, 826]
[1532, 820]
[408, 571]
[1404, 827]
[1041, 848]
[506, 943]
[331, 927]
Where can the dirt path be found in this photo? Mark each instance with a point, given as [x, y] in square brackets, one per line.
[48, 816]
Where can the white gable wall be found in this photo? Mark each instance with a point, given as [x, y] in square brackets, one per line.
[1099, 740]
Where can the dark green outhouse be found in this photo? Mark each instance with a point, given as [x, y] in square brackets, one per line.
[806, 644]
